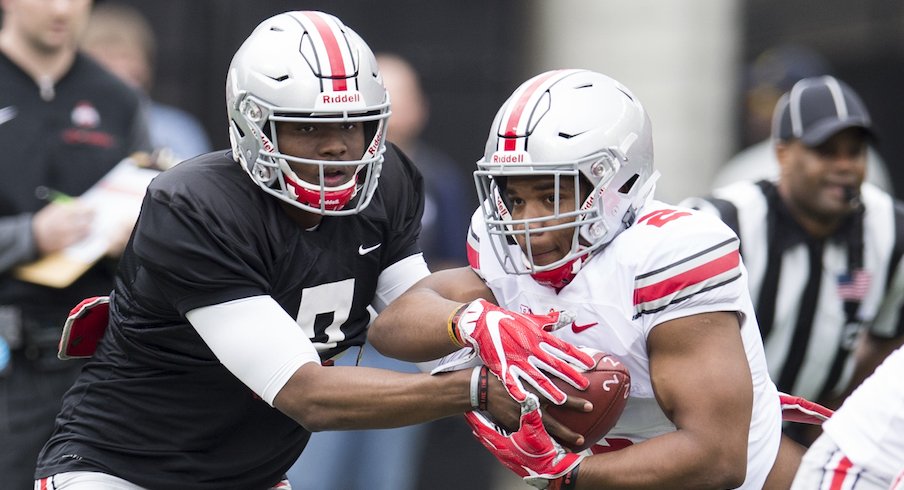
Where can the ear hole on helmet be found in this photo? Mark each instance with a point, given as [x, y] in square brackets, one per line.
[585, 188]
[371, 127]
[500, 188]
[239, 129]
[626, 187]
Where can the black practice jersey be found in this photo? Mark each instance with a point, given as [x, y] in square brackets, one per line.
[154, 405]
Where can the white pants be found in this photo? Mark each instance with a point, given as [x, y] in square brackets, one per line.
[93, 480]
[825, 467]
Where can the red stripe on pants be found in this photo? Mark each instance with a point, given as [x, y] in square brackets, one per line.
[841, 473]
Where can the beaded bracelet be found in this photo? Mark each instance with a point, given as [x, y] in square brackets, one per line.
[451, 325]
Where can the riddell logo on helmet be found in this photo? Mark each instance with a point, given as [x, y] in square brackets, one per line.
[265, 142]
[509, 157]
[589, 202]
[375, 144]
[501, 209]
[345, 98]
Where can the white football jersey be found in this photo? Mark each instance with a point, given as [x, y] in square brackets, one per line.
[673, 262]
[869, 426]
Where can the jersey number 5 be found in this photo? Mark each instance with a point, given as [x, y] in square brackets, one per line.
[323, 310]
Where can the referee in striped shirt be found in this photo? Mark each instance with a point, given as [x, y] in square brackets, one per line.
[823, 249]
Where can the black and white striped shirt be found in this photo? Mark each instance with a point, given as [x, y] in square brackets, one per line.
[812, 296]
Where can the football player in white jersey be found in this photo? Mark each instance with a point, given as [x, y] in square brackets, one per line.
[862, 445]
[568, 223]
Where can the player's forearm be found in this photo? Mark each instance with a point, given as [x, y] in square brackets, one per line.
[414, 327]
[673, 460]
[871, 351]
[337, 398]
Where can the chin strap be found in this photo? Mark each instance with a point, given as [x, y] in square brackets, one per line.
[332, 199]
[560, 276]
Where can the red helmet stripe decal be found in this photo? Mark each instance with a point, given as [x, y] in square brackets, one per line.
[519, 112]
[338, 72]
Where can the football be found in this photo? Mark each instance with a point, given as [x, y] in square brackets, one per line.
[610, 383]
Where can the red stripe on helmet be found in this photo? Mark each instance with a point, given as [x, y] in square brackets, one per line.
[511, 126]
[334, 52]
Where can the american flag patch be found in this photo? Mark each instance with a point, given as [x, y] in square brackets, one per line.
[681, 280]
[853, 287]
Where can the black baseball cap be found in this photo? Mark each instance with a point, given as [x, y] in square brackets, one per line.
[816, 108]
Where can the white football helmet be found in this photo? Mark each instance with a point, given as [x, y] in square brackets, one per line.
[567, 124]
[305, 67]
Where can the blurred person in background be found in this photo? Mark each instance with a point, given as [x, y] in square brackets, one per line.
[823, 248]
[120, 38]
[446, 207]
[770, 75]
[396, 459]
[64, 123]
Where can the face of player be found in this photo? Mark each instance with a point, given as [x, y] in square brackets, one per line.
[322, 141]
[535, 197]
[46, 26]
[819, 184]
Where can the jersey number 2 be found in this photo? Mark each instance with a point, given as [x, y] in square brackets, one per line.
[662, 216]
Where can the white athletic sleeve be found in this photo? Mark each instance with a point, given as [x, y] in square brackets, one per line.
[397, 278]
[256, 340]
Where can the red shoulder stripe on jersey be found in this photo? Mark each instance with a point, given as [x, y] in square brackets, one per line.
[473, 250]
[687, 277]
[337, 66]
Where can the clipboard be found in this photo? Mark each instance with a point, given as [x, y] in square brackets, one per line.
[115, 197]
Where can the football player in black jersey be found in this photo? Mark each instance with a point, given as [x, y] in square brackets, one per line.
[233, 290]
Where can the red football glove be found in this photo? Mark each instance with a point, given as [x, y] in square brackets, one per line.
[530, 452]
[516, 347]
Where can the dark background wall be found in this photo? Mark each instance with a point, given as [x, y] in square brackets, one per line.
[471, 54]
[863, 42]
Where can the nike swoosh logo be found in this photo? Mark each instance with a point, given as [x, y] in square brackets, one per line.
[7, 114]
[492, 321]
[580, 328]
[365, 251]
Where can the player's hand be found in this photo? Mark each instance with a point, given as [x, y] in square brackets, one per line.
[506, 412]
[60, 224]
[530, 452]
[516, 347]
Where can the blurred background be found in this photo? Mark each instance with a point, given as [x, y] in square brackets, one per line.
[689, 62]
